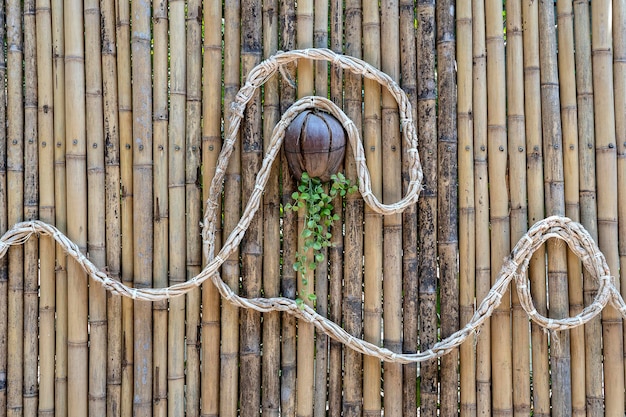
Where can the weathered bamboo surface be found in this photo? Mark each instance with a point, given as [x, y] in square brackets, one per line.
[141, 144]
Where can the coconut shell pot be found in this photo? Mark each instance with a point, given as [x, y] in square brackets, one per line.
[315, 143]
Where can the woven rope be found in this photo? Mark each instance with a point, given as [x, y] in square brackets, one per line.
[514, 267]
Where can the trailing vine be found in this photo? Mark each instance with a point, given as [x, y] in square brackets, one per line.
[319, 217]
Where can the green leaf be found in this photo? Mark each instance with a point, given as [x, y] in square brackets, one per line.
[319, 257]
[312, 297]
[307, 233]
[295, 195]
[305, 176]
[317, 245]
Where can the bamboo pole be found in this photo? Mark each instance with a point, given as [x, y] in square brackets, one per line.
[176, 208]
[560, 358]
[113, 231]
[335, 367]
[427, 204]
[287, 18]
[536, 208]
[15, 200]
[193, 198]
[481, 202]
[229, 394]
[161, 221]
[447, 204]
[31, 204]
[45, 132]
[518, 204]
[602, 55]
[60, 192]
[569, 120]
[270, 401]
[305, 343]
[95, 207]
[211, 143]
[142, 204]
[76, 153]
[4, 290]
[467, 211]
[353, 225]
[252, 244]
[588, 210]
[372, 245]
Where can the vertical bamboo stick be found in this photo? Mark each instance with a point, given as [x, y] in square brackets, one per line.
[270, 401]
[335, 368]
[447, 204]
[536, 210]
[211, 142]
[555, 205]
[176, 194]
[305, 340]
[95, 207]
[4, 320]
[232, 199]
[15, 199]
[193, 198]
[252, 244]
[31, 203]
[45, 133]
[60, 189]
[76, 153]
[113, 231]
[142, 203]
[427, 204]
[602, 55]
[467, 211]
[481, 202]
[372, 245]
[160, 159]
[288, 283]
[588, 210]
[499, 205]
[518, 205]
[353, 225]
[569, 120]
[126, 176]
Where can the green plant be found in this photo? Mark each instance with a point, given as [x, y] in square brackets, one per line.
[319, 217]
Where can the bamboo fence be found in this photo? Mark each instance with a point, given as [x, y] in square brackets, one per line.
[123, 122]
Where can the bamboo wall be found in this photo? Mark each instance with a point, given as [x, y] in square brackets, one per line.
[113, 120]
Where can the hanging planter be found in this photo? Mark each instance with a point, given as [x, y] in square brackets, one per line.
[315, 143]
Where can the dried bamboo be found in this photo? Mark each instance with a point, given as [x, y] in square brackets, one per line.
[481, 202]
[113, 225]
[252, 245]
[95, 207]
[211, 143]
[447, 204]
[569, 120]
[335, 367]
[536, 209]
[176, 206]
[142, 204]
[372, 246]
[45, 132]
[15, 200]
[502, 377]
[427, 204]
[287, 20]
[305, 342]
[60, 191]
[518, 200]
[161, 221]
[76, 154]
[229, 395]
[602, 55]
[193, 199]
[588, 211]
[31, 202]
[353, 226]
[555, 205]
[270, 401]
[4, 320]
